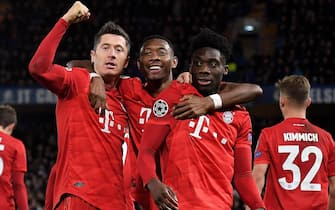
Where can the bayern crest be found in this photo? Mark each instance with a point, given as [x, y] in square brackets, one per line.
[228, 117]
[160, 108]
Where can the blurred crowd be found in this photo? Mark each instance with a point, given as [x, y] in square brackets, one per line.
[304, 44]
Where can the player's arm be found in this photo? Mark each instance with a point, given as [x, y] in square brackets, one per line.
[20, 190]
[243, 180]
[258, 173]
[185, 77]
[331, 203]
[152, 138]
[232, 93]
[86, 64]
[41, 66]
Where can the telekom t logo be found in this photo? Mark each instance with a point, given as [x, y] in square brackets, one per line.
[201, 126]
[107, 120]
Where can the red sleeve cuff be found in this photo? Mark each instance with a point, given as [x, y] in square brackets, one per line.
[63, 22]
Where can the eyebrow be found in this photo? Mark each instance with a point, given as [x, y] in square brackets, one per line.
[209, 59]
[159, 48]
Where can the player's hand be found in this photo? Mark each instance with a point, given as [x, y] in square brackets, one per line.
[77, 13]
[191, 106]
[80, 63]
[163, 195]
[184, 77]
[246, 207]
[97, 95]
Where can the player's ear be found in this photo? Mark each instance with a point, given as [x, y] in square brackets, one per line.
[226, 69]
[138, 63]
[281, 101]
[127, 62]
[174, 62]
[308, 101]
[92, 56]
[9, 129]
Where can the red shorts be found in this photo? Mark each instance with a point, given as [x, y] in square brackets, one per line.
[72, 202]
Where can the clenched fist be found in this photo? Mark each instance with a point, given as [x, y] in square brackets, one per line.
[77, 13]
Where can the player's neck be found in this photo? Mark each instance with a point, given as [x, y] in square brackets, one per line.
[5, 130]
[112, 82]
[154, 87]
[291, 113]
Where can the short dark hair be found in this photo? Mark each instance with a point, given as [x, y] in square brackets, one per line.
[7, 115]
[209, 38]
[111, 28]
[295, 87]
[157, 36]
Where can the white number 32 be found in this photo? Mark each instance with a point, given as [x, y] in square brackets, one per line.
[305, 184]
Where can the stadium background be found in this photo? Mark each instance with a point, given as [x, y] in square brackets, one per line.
[271, 39]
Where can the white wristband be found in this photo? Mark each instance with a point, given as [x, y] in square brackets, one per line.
[216, 100]
[93, 74]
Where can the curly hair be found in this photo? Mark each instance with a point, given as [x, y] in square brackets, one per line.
[209, 38]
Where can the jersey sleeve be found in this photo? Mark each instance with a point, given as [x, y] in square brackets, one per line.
[130, 86]
[244, 135]
[262, 154]
[152, 139]
[41, 67]
[20, 163]
[244, 182]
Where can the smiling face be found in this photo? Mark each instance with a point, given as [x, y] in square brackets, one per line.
[207, 68]
[110, 56]
[156, 59]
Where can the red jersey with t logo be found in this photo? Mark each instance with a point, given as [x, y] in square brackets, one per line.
[197, 155]
[90, 154]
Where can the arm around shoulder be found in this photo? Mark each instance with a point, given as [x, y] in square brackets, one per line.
[239, 93]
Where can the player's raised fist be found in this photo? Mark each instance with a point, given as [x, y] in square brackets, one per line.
[77, 13]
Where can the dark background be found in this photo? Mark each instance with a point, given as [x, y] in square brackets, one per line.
[289, 37]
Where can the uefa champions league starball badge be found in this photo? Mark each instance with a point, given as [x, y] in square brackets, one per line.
[160, 108]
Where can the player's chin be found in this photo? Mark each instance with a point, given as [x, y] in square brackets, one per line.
[114, 71]
[154, 76]
[204, 89]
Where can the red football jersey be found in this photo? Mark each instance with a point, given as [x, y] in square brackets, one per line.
[198, 154]
[138, 103]
[49, 192]
[12, 158]
[301, 156]
[89, 161]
